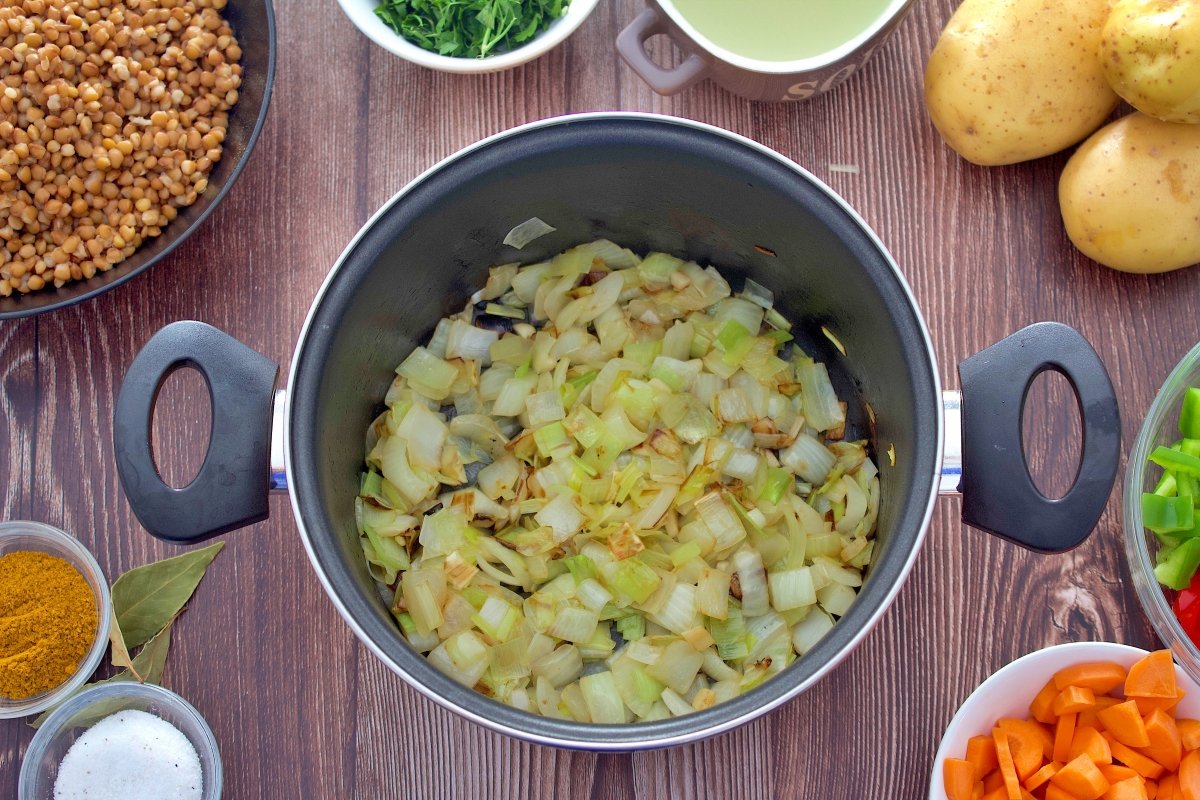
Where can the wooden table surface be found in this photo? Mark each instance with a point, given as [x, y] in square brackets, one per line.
[300, 708]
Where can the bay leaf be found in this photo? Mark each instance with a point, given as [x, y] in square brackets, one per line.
[146, 598]
[120, 653]
[152, 658]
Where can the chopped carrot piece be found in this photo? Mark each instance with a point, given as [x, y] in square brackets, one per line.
[1168, 788]
[1042, 775]
[1117, 772]
[993, 781]
[1081, 778]
[981, 751]
[1151, 789]
[1064, 732]
[997, 794]
[959, 776]
[1189, 776]
[1089, 741]
[1040, 707]
[977, 792]
[1072, 700]
[1144, 766]
[1046, 734]
[1125, 724]
[1189, 733]
[1166, 746]
[1099, 676]
[1007, 768]
[1055, 793]
[1089, 716]
[1152, 676]
[1025, 743]
[1148, 704]
[1128, 789]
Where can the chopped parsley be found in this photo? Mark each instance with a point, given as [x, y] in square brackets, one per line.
[469, 28]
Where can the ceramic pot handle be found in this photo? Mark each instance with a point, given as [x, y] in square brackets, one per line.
[230, 490]
[631, 44]
[999, 495]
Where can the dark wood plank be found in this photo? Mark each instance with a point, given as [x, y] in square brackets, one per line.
[19, 381]
[301, 708]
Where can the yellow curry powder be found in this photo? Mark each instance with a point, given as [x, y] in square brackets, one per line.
[47, 622]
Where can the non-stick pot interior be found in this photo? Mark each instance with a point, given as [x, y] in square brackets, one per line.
[648, 184]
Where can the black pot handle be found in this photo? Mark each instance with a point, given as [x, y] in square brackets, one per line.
[230, 490]
[999, 496]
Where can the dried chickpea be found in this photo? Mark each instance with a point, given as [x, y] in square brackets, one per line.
[112, 115]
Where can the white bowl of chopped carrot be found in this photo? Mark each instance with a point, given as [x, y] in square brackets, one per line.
[1076, 721]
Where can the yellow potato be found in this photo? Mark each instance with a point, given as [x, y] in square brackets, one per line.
[1130, 196]
[1012, 80]
[1151, 54]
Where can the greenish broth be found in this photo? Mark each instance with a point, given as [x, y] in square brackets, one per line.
[780, 30]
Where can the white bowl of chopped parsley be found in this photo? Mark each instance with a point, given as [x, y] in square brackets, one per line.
[468, 36]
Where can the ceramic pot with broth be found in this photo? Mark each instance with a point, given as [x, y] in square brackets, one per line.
[775, 50]
[649, 183]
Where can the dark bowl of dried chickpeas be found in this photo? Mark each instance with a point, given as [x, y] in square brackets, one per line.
[122, 126]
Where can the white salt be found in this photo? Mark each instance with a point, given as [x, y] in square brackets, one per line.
[131, 755]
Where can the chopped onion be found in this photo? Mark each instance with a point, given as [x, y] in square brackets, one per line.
[821, 408]
[677, 667]
[511, 400]
[752, 579]
[561, 516]
[467, 341]
[526, 232]
[602, 698]
[462, 669]
[808, 458]
[712, 594]
[679, 614]
[650, 516]
[499, 479]
[748, 314]
[634, 505]
[585, 309]
[791, 589]
[613, 255]
[544, 407]
[808, 631]
[559, 667]
[573, 625]
[758, 294]
[836, 598]
[676, 704]
[425, 433]
[428, 374]
[593, 596]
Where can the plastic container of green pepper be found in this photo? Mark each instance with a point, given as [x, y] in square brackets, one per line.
[1162, 491]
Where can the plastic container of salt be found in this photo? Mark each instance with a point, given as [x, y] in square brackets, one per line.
[122, 740]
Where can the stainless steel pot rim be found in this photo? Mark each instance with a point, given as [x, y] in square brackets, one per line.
[584, 740]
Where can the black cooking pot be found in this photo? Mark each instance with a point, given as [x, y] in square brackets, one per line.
[649, 183]
[253, 22]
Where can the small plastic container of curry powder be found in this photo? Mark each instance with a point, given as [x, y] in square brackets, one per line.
[55, 612]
